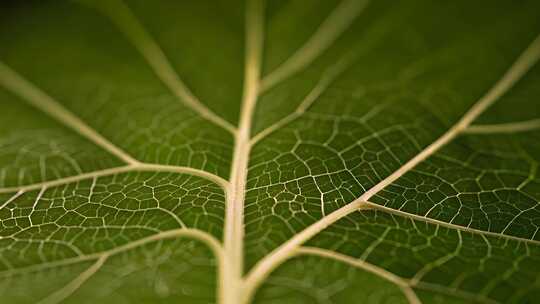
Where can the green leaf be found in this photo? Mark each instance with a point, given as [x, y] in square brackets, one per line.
[295, 151]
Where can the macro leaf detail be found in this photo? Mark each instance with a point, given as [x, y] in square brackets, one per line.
[256, 151]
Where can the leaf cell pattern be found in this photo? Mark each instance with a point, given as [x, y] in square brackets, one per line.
[268, 151]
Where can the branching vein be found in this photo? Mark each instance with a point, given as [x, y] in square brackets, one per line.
[196, 234]
[117, 170]
[512, 127]
[128, 23]
[426, 219]
[523, 63]
[326, 80]
[402, 283]
[39, 99]
[101, 258]
[72, 286]
[331, 28]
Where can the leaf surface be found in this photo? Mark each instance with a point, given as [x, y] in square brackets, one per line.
[288, 151]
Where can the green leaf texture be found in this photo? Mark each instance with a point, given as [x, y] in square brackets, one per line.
[278, 151]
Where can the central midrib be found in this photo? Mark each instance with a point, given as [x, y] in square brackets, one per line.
[232, 276]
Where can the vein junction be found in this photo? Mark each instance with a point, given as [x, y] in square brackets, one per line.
[525, 61]
[235, 287]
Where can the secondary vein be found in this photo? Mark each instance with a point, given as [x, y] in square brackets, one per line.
[116, 170]
[520, 67]
[39, 99]
[134, 30]
[330, 29]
